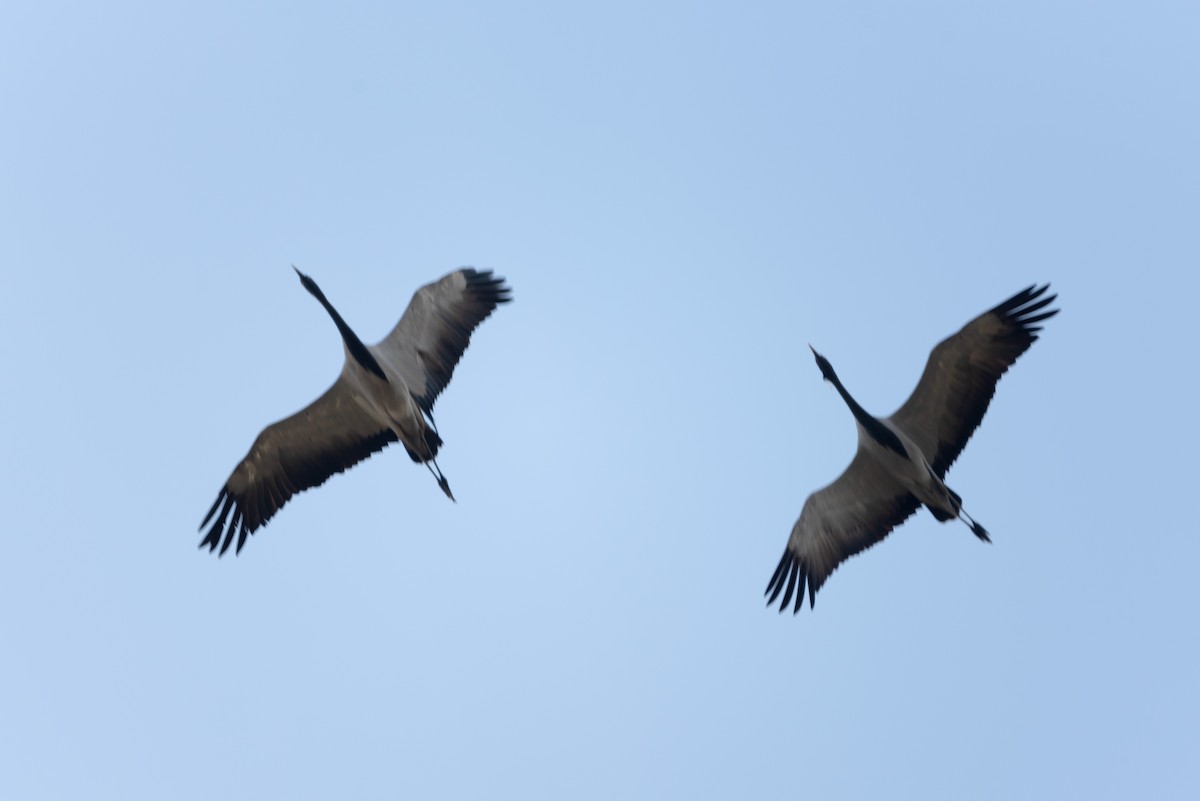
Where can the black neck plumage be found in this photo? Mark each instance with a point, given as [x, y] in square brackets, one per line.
[875, 429]
[355, 345]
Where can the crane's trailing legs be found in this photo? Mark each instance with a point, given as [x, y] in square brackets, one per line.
[961, 514]
[976, 529]
[441, 479]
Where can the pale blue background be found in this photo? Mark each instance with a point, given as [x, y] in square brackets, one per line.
[682, 196]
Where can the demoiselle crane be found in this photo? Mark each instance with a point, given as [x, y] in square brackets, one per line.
[384, 394]
[902, 460]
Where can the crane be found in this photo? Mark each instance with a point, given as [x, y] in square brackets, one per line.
[901, 461]
[385, 394]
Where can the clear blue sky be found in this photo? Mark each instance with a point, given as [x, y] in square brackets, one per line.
[682, 196]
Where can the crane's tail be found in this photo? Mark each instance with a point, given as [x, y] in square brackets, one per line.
[432, 443]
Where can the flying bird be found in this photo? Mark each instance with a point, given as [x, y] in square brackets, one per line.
[902, 460]
[384, 394]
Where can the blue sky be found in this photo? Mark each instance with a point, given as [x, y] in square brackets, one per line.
[682, 196]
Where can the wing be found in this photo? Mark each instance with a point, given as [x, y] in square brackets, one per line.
[333, 434]
[436, 328]
[960, 377]
[850, 515]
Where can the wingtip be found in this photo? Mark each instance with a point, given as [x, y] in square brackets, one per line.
[791, 578]
[488, 284]
[213, 537]
[212, 510]
[775, 584]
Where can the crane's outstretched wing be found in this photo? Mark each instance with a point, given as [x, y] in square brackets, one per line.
[850, 515]
[332, 434]
[960, 377]
[436, 328]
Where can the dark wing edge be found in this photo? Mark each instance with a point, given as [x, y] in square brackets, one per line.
[295, 454]
[837, 522]
[430, 339]
[960, 377]
[795, 570]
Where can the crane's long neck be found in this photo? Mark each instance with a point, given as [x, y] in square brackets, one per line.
[353, 344]
[877, 430]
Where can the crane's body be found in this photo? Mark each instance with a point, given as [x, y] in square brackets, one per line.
[911, 471]
[899, 456]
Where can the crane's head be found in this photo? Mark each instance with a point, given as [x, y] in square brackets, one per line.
[309, 284]
[823, 363]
